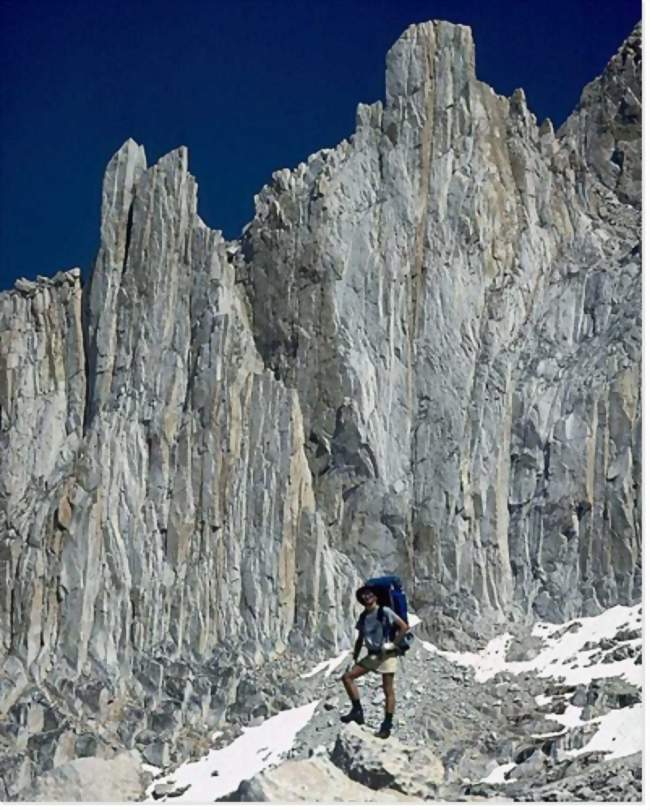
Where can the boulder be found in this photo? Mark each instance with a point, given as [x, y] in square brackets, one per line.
[157, 753]
[381, 764]
[524, 648]
[309, 780]
[16, 772]
[91, 780]
[533, 765]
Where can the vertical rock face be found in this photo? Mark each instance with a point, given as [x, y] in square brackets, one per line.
[454, 295]
[422, 357]
[186, 516]
[42, 401]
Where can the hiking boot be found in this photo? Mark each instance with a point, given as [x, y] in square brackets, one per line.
[384, 730]
[354, 716]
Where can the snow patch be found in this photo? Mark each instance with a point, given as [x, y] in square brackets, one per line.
[562, 655]
[221, 771]
[569, 719]
[330, 665]
[413, 620]
[620, 732]
[498, 775]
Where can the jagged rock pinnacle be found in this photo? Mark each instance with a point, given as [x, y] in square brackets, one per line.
[423, 358]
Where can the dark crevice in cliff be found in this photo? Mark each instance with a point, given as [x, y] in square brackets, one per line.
[85, 332]
[127, 238]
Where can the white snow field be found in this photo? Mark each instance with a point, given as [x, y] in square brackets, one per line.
[620, 731]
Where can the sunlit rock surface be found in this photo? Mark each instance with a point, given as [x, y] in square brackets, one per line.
[423, 357]
[455, 296]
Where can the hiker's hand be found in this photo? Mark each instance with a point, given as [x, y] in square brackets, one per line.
[387, 646]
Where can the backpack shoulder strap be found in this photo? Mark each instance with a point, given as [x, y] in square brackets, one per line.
[385, 624]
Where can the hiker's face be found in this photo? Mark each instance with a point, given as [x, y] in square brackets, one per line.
[369, 598]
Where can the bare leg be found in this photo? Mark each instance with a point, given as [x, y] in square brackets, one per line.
[388, 682]
[349, 678]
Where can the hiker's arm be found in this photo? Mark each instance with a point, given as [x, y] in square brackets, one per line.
[358, 644]
[402, 630]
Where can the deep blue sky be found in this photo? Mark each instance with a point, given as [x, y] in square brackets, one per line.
[250, 86]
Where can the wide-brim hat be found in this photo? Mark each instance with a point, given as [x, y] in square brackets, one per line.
[363, 589]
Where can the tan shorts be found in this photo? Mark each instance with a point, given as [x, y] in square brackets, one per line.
[385, 663]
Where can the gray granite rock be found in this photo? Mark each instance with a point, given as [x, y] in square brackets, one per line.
[16, 773]
[586, 778]
[605, 694]
[422, 356]
[536, 763]
[381, 764]
[454, 294]
[469, 727]
[91, 780]
[315, 780]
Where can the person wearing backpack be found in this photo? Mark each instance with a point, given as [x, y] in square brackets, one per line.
[381, 630]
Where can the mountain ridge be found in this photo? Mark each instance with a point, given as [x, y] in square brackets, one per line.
[422, 356]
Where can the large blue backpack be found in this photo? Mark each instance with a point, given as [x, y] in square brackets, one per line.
[390, 594]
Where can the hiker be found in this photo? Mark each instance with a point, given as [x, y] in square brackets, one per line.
[382, 656]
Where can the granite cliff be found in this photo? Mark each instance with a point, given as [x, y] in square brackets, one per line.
[422, 356]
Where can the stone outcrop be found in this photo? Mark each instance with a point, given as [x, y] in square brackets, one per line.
[413, 771]
[91, 780]
[423, 356]
[310, 780]
[587, 778]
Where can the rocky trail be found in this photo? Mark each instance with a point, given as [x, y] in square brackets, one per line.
[555, 714]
